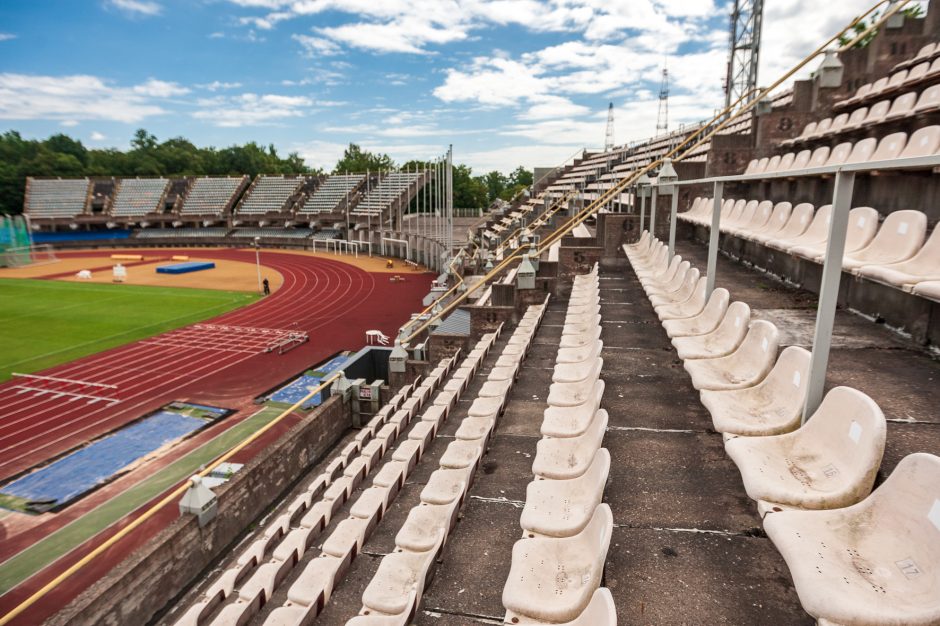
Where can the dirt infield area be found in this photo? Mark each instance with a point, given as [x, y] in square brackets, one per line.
[227, 275]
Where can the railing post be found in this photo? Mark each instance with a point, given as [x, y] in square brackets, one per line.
[713, 238]
[829, 291]
[673, 210]
[642, 213]
[653, 213]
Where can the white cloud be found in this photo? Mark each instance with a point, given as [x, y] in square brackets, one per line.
[76, 97]
[249, 109]
[69, 123]
[138, 8]
[317, 45]
[7, 36]
[96, 136]
[218, 85]
[160, 89]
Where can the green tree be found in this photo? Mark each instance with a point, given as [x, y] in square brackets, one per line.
[355, 159]
[913, 11]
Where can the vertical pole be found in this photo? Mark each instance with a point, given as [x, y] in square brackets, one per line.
[347, 207]
[653, 212]
[258, 261]
[672, 221]
[449, 234]
[829, 291]
[713, 238]
[642, 211]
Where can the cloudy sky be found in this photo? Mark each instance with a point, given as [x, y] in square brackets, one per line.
[508, 82]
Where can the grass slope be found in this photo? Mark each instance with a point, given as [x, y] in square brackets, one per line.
[44, 322]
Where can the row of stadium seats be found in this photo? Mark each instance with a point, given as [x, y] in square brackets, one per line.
[269, 194]
[897, 252]
[210, 196]
[904, 106]
[390, 189]
[139, 196]
[183, 233]
[394, 593]
[250, 582]
[57, 197]
[898, 80]
[287, 233]
[558, 564]
[330, 194]
[922, 142]
[812, 484]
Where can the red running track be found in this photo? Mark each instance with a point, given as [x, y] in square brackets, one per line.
[333, 301]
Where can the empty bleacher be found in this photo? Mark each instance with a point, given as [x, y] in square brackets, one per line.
[284, 233]
[56, 197]
[205, 232]
[332, 194]
[393, 188]
[269, 194]
[211, 195]
[137, 197]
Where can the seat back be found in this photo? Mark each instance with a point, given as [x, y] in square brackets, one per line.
[877, 112]
[840, 153]
[758, 351]
[878, 86]
[761, 166]
[778, 218]
[747, 214]
[818, 229]
[889, 147]
[862, 150]
[678, 278]
[928, 257]
[786, 161]
[735, 213]
[761, 215]
[596, 535]
[838, 122]
[734, 324]
[822, 127]
[688, 285]
[896, 79]
[926, 52]
[808, 130]
[863, 224]
[694, 304]
[862, 91]
[902, 106]
[752, 164]
[907, 506]
[917, 72]
[924, 142]
[716, 307]
[670, 272]
[798, 221]
[901, 235]
[787, 381]
[851, 428]
[929, 99]
[857, 117]
[819, 158]
[801, 160]
[773, 164]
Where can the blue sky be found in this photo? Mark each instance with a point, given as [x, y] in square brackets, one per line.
[508, 82]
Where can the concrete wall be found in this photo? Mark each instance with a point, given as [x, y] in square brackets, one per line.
[150, 578]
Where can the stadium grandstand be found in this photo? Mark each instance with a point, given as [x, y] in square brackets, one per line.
[691, 379]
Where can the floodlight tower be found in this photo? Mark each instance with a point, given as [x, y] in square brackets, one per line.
[609, 136]
[744, 49]
[662, 116]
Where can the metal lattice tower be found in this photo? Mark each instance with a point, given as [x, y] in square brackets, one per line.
[662, 116]
[609, 136]
[744, 49]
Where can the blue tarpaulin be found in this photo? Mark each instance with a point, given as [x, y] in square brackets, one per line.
[73, 475]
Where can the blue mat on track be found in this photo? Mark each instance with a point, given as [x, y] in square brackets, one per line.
[185, 268]
[300, 387]
[73, 475]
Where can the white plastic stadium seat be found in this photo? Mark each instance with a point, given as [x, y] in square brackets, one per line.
[773, 406]
[830, 462]
[720, 342]
[705, 322]
[898, 239]
[553, 580]
[874, 562]
[923, 266]
[745, 367]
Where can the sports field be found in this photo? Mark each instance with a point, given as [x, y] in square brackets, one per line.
[44, 323]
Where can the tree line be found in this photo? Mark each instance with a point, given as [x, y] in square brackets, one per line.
[61, 155]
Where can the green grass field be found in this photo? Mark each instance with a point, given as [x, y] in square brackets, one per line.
[44, 322]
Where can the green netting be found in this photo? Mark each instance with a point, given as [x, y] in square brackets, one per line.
[15, 241]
